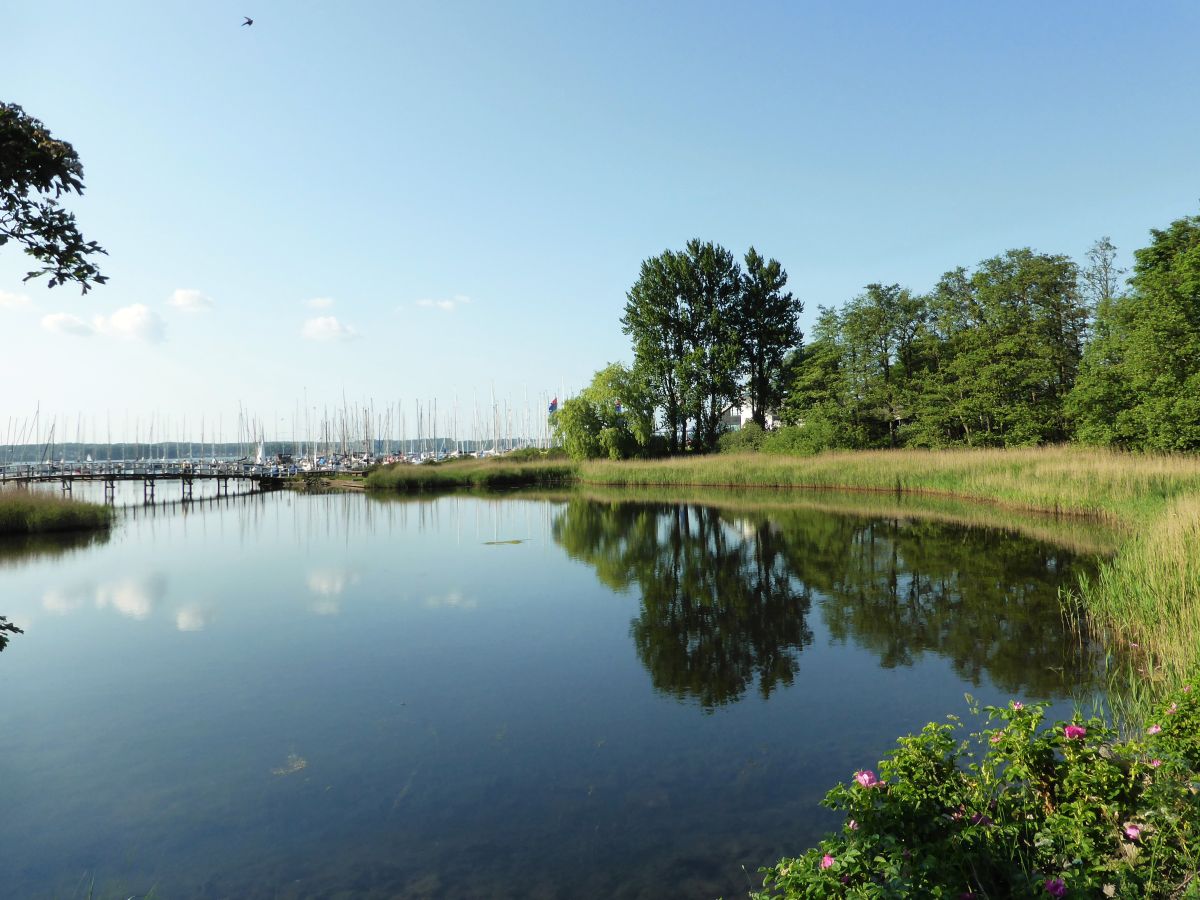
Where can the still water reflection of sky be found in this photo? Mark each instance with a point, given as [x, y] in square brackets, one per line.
[289, 695]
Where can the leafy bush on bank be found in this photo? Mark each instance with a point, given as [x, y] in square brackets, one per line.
[1016, 810]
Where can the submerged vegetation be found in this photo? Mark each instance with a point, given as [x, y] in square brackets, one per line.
[29, 512]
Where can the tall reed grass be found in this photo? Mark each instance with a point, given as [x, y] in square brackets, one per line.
[486, 474]
[1124, 488]
[1148, 595]
[31, 512]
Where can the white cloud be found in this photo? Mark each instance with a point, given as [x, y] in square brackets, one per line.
[452, 600]
[189, 300]
[14, 301]
[330, 582]
[60, 602]
[448, 305]
[319, 303]
[192, 618]
[131, 323]
[132, 597]
[65, 323]
[327, 328]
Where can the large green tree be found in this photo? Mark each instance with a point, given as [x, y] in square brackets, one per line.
[698, 325]
[1009, 337]
[882, 328]
[767, 322]
[712, 283]
[1140, 384]
[654, 319]
[36, 170]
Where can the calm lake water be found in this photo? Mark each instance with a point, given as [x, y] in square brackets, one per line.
[291, 695]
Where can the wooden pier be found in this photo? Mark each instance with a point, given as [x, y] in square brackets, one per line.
[151, 475]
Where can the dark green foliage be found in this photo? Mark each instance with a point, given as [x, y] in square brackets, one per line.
[36, 169]
[749, 437]
[985, 360]
[698, 325]
[1140, 383]
[1016, 810]
[7, 628]
[767, 325]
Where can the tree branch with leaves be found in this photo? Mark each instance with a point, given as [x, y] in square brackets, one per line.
[36, 170]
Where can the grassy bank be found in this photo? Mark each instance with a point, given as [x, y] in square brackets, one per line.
[485, 474]
[1127, 489]
[30, 512]
[1149, 594]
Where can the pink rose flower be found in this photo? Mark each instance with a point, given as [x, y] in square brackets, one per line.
[852, 825]
[1017, 704]
[826, 861]
[1074, 732]
[1155, 763]
[995, 738]
[1154, 729]
[1172, 709]
[1133, 832]
[867, 778]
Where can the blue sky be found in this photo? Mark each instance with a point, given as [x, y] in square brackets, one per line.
[401, 201]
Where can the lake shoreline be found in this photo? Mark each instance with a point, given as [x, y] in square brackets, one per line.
[1143, 598]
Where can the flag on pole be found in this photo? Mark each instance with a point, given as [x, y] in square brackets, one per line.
[554, 404]
[619, 410]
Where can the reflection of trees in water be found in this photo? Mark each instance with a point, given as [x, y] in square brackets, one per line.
[725, 596]
[719, 610]
[16, 550]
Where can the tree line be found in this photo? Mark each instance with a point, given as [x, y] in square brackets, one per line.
[1024, 348]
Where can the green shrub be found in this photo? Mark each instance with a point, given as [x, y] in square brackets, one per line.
[1016, 810]
[748, 438]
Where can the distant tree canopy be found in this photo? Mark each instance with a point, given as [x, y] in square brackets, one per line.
[707, 335]
[1025, 348]
[985, 359]
[36, 169]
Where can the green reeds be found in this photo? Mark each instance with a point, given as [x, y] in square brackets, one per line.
[480, 474]
[30, 512]
[1125, 488]
[1148, 596]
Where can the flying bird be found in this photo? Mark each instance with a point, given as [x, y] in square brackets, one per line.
[249, 21]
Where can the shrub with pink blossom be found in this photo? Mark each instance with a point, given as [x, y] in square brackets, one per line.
[1016, 809]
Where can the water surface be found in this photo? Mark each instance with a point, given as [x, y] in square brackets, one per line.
[288, 695]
